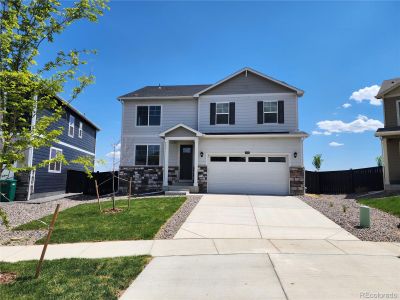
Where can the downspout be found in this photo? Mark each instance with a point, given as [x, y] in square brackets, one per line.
[30, 150]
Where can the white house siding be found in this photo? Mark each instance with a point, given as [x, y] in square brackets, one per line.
[246, 113]
[254, 145]
[173, 112]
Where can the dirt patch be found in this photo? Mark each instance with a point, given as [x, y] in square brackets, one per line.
[7, 277]
[111, 211]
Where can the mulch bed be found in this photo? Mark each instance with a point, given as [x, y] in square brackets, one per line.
[344, 210]
[7, 277]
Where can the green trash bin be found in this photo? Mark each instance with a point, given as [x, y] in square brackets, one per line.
[7, 190]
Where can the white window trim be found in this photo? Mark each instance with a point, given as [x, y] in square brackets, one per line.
[398, 111]
[55, 171]
[80, 130]
[277, 112]
[147, 155]
[71, 125]
[217, 113]
[148, 115]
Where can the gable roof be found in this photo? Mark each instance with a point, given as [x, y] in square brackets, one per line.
[247, 69]
[387, 86]
[81, 115]
[190, 91]
[166, 91]
[181, 125]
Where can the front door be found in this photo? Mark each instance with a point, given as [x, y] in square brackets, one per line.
[186, 162]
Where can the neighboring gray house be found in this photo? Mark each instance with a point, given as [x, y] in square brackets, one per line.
[239, 135]
[390, 134]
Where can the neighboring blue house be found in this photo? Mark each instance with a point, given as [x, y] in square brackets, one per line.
[78, 139]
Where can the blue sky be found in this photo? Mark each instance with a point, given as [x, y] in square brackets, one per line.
[330, 50]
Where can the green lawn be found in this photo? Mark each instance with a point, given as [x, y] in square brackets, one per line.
[84, 222]
[72, 278]
[390, 205]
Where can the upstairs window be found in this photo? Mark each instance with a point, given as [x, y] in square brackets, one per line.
[271, 112]
[54, 167]
[147, 155]
[71, 126]
[80, 131]
[148, 115]
[222, 113]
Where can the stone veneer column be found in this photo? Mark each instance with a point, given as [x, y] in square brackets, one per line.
[202, 179]
[297, 181]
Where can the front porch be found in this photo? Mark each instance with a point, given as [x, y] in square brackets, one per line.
[181, 159]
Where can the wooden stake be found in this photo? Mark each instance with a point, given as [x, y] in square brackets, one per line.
[129, 194]
[97, 193]
[51, 227]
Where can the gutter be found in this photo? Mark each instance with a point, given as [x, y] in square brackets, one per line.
[290, 135]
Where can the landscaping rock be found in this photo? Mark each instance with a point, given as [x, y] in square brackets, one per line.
[345, 211]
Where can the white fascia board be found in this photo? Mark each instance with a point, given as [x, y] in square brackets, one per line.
[158, 98]
[75, 148]
[247, 69]
[238, 136]
[162, 134]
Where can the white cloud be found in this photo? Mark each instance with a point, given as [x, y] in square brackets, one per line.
[335, 144]
[367, 94]
[346, 105]
[361, 124]
[316, 132]
[117, 152]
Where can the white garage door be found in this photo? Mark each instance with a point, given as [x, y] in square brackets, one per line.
[248, 175]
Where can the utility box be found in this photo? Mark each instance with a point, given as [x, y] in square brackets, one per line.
[365, 216]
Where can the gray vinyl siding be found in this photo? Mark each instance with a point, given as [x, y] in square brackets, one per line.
[173, 112]
[390, 111]
[393, 149]
[46, 182]
[250, 84]
[128, 144]
[246, 113]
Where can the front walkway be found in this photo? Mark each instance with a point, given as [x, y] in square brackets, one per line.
[269, 217]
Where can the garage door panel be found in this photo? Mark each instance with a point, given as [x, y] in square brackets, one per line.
[248, 178]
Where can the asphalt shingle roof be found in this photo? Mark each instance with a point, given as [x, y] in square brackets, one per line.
[387, 84]
[167, 91]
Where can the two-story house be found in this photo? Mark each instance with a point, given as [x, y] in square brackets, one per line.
[77, 139]
[390, 134]
[239, 135]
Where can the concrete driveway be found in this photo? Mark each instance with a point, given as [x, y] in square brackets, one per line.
[266, 247]
[269, 217]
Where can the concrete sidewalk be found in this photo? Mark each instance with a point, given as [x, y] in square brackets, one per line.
[269, 217]
[192, 247]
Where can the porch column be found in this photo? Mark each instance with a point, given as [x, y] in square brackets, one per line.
[386, 179]
[166, 156]
[196, 161]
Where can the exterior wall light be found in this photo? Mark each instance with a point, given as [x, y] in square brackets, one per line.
[201, 154]
[295, 154]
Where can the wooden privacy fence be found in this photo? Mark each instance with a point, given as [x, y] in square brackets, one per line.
[79, 182]
[345, 182]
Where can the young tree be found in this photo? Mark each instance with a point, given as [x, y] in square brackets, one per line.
[26, 88]
[317, 161]
[379, 161]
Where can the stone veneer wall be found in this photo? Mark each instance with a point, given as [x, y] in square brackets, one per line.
[202, 179]
[296, 181]
[144, 179]
[173, 173]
